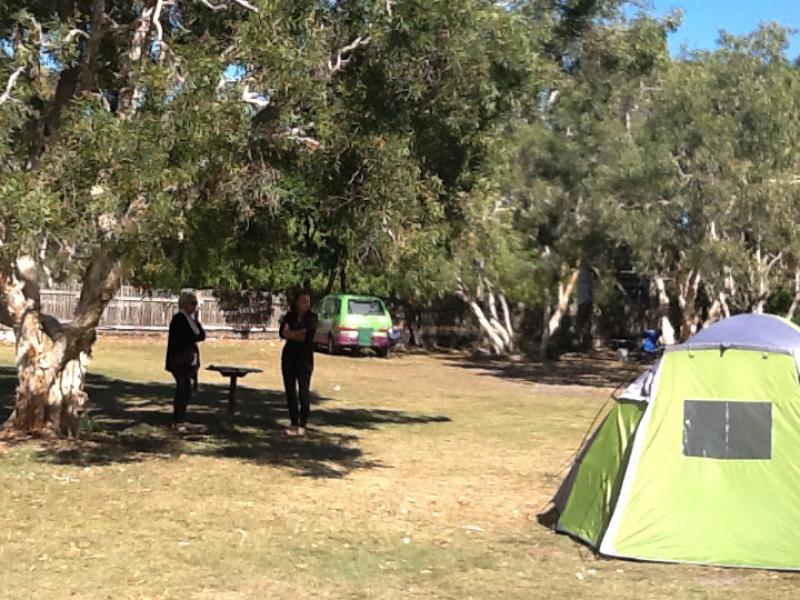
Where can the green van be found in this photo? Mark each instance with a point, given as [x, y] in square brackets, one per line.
[353, 322]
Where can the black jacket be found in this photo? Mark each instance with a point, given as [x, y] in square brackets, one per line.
[299, 353]
[182, 352]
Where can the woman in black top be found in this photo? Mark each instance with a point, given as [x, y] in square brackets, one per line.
[183, 355]
[298, 327]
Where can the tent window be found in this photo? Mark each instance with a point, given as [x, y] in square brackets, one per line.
[727, 430]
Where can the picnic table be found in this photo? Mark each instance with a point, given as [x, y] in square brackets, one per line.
[234, 373]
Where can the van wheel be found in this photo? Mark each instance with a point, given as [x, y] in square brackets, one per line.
[382, 352]
[332, 347]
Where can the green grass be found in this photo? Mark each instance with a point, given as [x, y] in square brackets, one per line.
[422, 478]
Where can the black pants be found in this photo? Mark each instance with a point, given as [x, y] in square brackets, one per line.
[297, 382]
[183, 394]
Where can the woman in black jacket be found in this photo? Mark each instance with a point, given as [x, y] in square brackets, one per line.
[298, 327]
[183, 355]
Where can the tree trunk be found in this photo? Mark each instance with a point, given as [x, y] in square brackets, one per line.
[501, 336]
[412, 336]
[497, 342]
[687, 298]
[329, 284]
[719, 309]
[554, 315]
[52, 359]
[664, 322]
[544, 342]
[584, 293]
[343, 277]
[790, 314]
[50, 396]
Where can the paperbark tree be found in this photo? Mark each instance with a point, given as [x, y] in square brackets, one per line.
[52, 358]
[166, 140]
[554, 312]
[495, 325]
[96, 171]
[719, 157]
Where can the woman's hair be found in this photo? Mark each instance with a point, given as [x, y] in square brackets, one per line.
[299, 294]
[186, 299]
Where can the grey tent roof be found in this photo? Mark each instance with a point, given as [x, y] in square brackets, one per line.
[766, 333]
[749, 331]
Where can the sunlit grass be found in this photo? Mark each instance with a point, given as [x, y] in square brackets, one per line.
[422, 479]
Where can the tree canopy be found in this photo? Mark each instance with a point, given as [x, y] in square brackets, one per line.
[512, 156]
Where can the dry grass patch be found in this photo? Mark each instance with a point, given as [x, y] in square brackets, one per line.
[422, 478]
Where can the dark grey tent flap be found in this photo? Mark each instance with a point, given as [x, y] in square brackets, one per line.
[724, 430]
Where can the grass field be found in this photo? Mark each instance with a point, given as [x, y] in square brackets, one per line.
[422, 478]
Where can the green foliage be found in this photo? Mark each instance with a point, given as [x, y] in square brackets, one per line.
[719, 168]
[403, 148]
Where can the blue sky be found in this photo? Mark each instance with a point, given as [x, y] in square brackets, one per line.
[703, 19]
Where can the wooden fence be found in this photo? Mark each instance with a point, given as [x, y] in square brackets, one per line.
[137, 310]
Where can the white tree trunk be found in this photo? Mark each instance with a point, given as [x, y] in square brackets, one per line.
[495, 320]
[719, 308]
[497, 341]
[687, 298]
[507, 317]
[52, 359]
[501, 335]
[664, 323]
[564, 296]
[554, 315]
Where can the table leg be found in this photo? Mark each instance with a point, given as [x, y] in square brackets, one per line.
[232, 399]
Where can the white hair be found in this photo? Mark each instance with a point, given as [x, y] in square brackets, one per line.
[186, 298]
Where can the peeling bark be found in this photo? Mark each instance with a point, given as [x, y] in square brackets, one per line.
[52, 359]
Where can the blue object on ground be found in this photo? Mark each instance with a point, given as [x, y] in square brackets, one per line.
[650, 343]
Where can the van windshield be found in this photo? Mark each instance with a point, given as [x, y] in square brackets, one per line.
[366, 308]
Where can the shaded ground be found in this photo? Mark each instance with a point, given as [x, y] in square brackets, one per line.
[599, 370]
[422, 478]
[128, 421]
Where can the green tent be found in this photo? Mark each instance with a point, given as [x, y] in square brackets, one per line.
[699, 460]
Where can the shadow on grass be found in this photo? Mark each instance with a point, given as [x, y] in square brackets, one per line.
[597, 371]
[130, 423]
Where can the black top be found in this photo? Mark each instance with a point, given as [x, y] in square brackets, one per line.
[182, 352]
[299, 352]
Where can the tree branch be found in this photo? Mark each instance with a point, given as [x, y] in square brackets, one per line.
[225, 5]
[101, 281]
[344, 54]
[157, 22]
[73, 33]
[38, 27]
[27, 273]
[12, 81]
[98, 28]
[13, 303]
[254, 98]
[296, 134]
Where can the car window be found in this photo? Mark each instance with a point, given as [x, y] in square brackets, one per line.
[366, 308]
